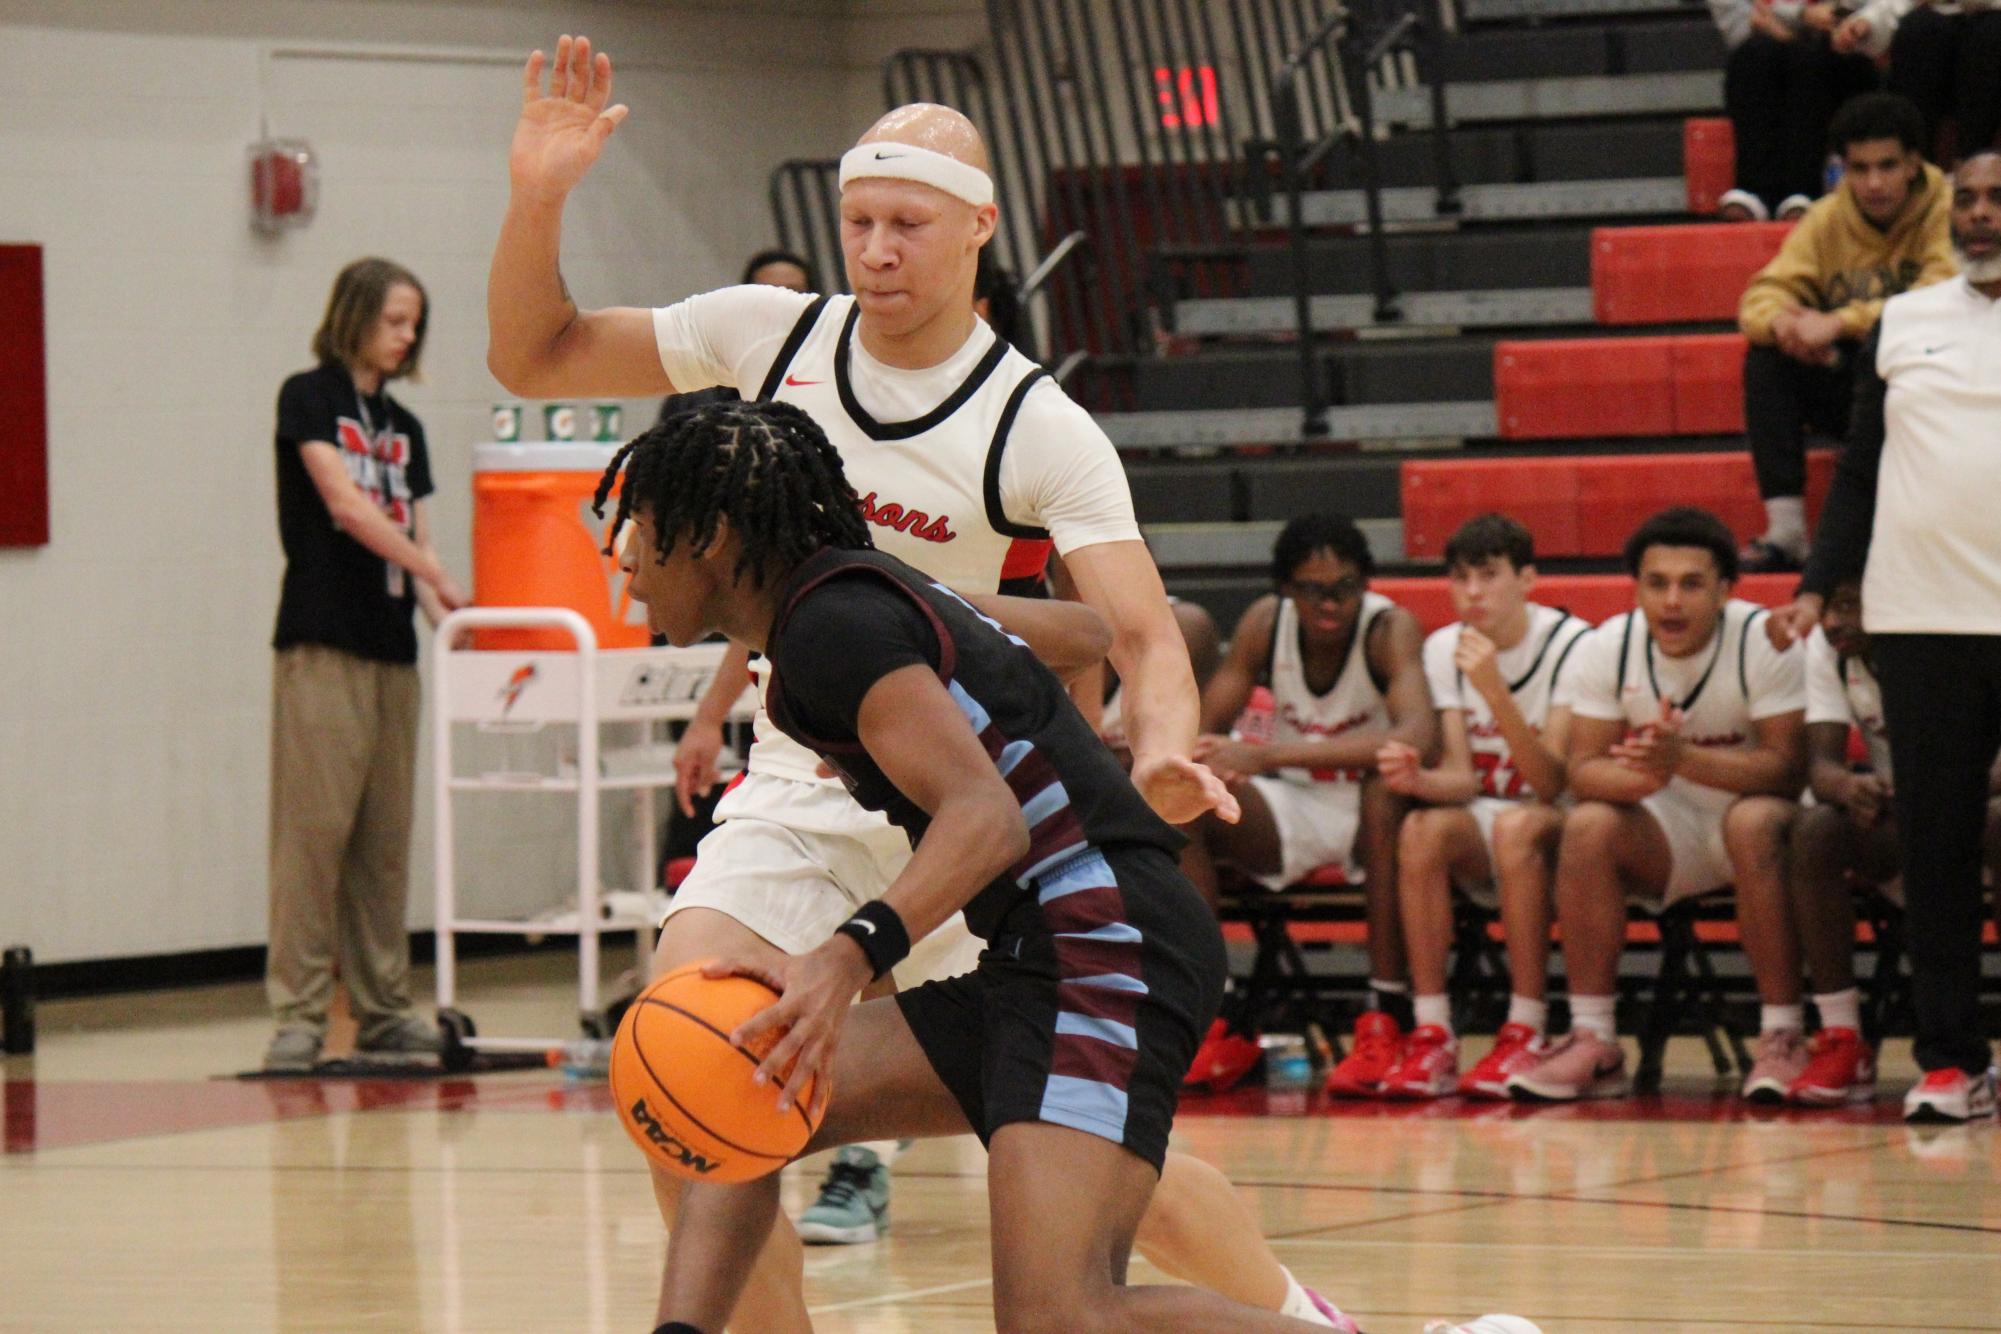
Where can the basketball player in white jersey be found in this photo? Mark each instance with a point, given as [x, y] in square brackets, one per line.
[1331, 673]
[1491, 817]
[1847, 839]
[1686, 752]
[972, 466]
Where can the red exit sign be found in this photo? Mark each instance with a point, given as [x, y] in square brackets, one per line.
[1187, 96]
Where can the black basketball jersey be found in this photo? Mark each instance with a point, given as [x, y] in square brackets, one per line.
[847, 618]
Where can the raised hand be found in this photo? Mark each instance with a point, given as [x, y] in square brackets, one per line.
[561, 132]
[1479, 660]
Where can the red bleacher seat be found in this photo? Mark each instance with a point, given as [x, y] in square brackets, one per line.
[1586, 505]
[1576, 388]
[1595, 597]
[1708, 161]
[1569, 388]
[1677, 274]
[1709, 384]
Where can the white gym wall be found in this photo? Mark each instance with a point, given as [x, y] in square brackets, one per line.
[134, 648]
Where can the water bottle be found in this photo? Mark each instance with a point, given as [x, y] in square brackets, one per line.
[1258, 723]
[17, 1002]
[584, 1060]
[1288, 1065]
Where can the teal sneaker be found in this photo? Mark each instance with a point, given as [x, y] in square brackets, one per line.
[853, 1204]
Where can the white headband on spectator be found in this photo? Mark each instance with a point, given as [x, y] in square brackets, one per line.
[908, 162]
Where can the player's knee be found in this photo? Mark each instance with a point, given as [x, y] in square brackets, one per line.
[1814, 837]
[1591, 831]
[1055, 1308]
[1756, 826]
[1524, 836]
[1421, 839]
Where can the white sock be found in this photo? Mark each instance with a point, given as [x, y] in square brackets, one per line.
[1840, 1009]
[1298, 1305]
[1785, 523]
[1433, 1010]
[1593, 1014]
[1528, 1011]
[1389, 988]
[1772, 1018]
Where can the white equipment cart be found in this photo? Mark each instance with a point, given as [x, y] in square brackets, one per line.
[587, 688]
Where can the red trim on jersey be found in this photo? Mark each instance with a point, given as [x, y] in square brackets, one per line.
[1027, 558]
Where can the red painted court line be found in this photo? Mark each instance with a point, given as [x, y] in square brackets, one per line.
[1672, 1106]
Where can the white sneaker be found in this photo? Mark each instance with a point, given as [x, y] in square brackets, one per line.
[1486, 1324]
[1951, 1095]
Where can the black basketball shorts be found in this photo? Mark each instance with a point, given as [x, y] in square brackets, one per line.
[1087, 1006]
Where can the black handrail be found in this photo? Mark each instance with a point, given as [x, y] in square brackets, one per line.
[1296, 161]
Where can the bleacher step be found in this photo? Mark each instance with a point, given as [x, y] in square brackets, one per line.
[1500, 11]
[1184, 546]
[1208, 428]
[1489, 308]
[1554, 99]
[1505, 202]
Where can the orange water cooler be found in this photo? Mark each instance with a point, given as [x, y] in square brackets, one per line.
[535, 543]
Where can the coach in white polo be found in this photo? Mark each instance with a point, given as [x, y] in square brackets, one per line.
[1918, 498]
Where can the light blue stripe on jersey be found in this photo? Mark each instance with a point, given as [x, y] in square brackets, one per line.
[1011, 636]
[1077, 869]
[969, 706]
[1105, 1030]
[1109, 982]
[1112, 933]
[1085, 1104]
[1045, 804]
[1013, 753]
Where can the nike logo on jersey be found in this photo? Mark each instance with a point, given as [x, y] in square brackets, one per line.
[888, 157]
[795, 382]
[1934, 351]
[914, 522]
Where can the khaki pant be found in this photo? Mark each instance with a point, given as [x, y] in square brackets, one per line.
[343, 751]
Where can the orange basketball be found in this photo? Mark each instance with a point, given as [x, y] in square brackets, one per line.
[684, 1093]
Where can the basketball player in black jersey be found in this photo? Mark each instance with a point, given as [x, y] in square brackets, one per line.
[1065, 1048]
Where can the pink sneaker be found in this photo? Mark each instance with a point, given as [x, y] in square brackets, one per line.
[1331, 1313]
[1780, 1060]
[1429, 1067]
[1517, 1047]
[1378, 1045]
[1583, 1065]
[1840, 1069]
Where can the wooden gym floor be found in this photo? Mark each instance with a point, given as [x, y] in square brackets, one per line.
[139, 1192]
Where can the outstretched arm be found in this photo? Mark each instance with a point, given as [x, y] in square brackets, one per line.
[1068, 637]
[1119, 581]
[538, 343]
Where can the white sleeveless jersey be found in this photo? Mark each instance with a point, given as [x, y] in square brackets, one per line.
[1722, 689]
[933, 488]
[1531, 669]
[1843, 690]
[1352, 702]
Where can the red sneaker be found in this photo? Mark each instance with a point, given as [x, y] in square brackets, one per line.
[1377, 1048]
[1517, 1047]
[1222, 1061]
[1840, 1069]
[1429, 1067]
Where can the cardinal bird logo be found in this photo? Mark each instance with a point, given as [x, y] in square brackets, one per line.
[511, 692]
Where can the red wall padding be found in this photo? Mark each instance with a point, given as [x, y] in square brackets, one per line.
[24, 412]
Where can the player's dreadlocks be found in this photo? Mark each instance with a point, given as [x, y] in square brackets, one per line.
[766, 467]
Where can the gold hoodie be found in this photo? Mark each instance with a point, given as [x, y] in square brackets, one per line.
[1837, 260]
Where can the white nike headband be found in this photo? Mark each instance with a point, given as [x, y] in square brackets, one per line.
[908, 162]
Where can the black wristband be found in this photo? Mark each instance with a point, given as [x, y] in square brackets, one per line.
[884, 940]
[677, 1327]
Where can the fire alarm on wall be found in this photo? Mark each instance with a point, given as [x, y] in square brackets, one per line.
[284, 184]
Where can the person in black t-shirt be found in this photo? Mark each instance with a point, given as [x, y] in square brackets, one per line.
[352, 477]
[1064, 1050]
